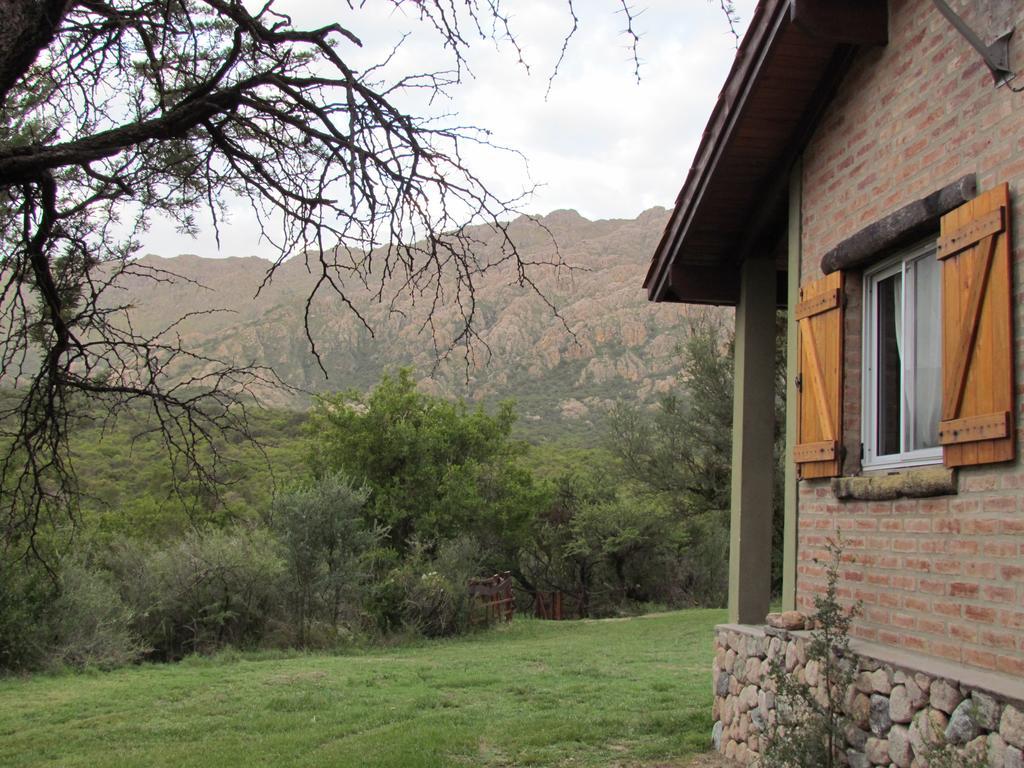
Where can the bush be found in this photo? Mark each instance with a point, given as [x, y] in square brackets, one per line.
[212, 588]
[325, 545]
[435, 594]
[701, 574]
[26, 594]
[435, 469]
[93, 625]
[606, 550]
[811, 719]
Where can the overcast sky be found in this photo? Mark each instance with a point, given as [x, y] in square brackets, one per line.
[600, 143]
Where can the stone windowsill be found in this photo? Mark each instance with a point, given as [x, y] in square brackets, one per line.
[921, 482]
[1002, 686]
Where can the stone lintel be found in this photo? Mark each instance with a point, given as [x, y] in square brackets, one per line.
[911, 222]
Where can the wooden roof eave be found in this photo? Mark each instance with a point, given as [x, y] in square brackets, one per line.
[736, 147]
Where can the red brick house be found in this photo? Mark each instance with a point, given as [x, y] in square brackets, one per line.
[864, 168]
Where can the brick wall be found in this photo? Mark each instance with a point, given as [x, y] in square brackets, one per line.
[942, 576]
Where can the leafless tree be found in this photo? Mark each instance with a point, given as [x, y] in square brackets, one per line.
[113, 111]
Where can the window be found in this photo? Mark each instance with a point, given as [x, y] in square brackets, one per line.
[903, 360]
[938, 351]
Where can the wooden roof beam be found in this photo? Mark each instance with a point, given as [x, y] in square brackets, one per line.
[863, 22]
[715, 285]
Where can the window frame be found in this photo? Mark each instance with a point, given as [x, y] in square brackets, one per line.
[896, 264]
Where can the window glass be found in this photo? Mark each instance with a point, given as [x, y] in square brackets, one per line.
[890, 313]
[923, 426]
[903, 360]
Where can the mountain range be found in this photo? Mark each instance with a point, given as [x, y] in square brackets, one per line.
[565, 366]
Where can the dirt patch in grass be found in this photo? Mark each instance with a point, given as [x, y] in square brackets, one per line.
[710, 760]
[705, 760]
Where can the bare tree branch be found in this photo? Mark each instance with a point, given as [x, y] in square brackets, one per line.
[115, 111]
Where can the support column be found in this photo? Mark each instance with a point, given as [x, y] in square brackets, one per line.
[753, 425]
[791, 489]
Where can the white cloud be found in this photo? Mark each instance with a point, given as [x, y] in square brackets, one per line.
[600, 143]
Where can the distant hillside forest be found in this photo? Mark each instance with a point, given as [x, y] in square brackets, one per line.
[364, 517]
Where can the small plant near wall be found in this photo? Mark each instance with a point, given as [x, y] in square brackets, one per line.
[810, 717]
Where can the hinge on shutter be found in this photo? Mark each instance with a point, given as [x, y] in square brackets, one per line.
[798, 382]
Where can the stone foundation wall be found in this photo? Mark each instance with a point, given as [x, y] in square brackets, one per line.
[900, 708]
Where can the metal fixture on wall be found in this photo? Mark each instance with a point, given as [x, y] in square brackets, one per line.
[996, 55]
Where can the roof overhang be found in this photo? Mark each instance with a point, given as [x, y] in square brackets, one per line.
[733, 203]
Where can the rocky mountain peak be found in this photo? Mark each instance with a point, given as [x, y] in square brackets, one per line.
[605, 342]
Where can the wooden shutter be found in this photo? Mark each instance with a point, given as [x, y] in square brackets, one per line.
[820, 402]
[977, 424]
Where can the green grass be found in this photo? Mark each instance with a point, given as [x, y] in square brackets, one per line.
[600, 693]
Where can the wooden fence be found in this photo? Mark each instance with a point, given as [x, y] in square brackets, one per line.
[547, 605]
[492, 598]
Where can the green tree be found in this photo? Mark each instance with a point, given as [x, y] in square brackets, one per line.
[682, 451]
[599, 545]
[627, 536]
[434, 469]
[561, 556]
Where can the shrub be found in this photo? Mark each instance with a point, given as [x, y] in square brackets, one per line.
[210, 589]
[701, 575]
[383, 601]
[325, 544]
[435, 595]
[811, 719]
[435, 469]
[606, 550]
[26, 594]
[93, 626]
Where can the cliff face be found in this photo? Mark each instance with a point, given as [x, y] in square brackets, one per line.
[606, 342]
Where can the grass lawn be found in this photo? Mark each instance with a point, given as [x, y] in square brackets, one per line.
[633, 692]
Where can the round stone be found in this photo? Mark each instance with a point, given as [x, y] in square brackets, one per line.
[1011, 726]
[900, 751]
[962, 727]
[877, 751]
[916, 693]
[716, 736]
[881, 682]
[901, 708]
[811, 672]
[945, 696]
[996, 749]
[879, 718]
[722, 684]
[859, 709]
[986, 710]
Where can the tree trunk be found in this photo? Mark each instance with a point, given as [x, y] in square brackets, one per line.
[28, 27]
